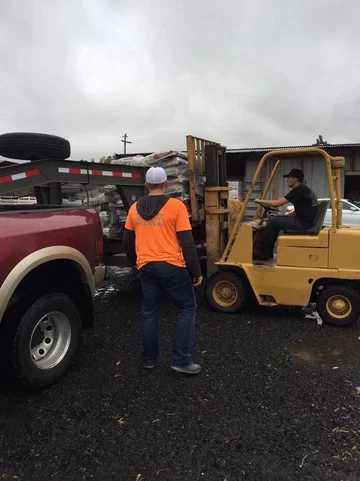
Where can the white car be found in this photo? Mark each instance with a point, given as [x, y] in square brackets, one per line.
[350, 212]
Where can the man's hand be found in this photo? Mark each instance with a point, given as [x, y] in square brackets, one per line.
[197, 281]
[263, 202]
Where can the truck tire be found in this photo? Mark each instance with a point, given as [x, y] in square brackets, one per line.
[32, 146]
[226, 292]
[338, 305]
[46, 341]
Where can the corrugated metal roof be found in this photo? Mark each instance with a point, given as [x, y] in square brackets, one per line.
[269, 149]
[257, 149]
[124, 156]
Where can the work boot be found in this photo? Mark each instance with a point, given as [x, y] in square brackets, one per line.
[190, 369]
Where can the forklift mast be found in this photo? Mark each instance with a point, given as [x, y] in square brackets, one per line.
[207, 161]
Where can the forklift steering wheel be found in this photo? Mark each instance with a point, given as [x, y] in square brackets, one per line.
[268, 209]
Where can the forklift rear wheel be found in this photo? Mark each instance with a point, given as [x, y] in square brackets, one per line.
[226, 292]
[338, 305]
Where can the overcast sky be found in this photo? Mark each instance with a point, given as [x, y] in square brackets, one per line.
[245, 73]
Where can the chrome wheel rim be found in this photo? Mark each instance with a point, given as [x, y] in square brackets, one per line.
[50, 340]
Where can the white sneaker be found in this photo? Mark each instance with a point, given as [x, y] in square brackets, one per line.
[190, 369]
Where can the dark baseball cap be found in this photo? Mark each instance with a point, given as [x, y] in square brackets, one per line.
[296, 173]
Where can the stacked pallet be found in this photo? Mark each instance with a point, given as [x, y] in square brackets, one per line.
[175, 163]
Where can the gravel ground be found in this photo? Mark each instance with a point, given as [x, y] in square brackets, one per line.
[278, 399]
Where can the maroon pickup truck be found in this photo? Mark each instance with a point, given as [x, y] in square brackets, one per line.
[50, 261]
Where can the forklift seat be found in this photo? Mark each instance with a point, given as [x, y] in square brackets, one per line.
[318, 224]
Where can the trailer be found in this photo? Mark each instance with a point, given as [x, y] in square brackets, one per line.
[48, 168]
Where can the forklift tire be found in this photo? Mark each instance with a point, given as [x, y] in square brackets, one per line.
[226, 292]
[32, 146]
[338, 305]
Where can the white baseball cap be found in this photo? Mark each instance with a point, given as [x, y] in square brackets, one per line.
[156, 175]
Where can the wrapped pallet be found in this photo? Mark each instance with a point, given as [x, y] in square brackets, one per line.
[176, 165]
[107, 201]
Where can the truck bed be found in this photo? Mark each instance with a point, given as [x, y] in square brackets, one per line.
[26, 229]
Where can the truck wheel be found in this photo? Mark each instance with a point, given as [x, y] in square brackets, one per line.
[338, 305]
[226, 291]
[46, 341]
[32, 146]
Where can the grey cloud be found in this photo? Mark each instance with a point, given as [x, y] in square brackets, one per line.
[250, 73]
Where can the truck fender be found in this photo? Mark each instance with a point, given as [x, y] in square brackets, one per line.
[37, 258]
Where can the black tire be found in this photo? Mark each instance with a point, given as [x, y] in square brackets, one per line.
[227, 292]
[32, 146]
[338, 305]
[41, 373]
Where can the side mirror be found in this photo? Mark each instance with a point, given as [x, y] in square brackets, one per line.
[354, 209]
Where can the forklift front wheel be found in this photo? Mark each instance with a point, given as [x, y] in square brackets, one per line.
[338, 306]
[226, 292]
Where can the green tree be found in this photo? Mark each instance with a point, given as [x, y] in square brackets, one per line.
[106, 160]
[320, 141]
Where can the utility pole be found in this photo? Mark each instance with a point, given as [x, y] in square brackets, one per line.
[125, 142]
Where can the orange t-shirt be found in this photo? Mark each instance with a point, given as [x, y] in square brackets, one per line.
[156, 239]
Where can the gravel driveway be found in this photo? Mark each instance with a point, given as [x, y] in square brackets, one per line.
[278, 399]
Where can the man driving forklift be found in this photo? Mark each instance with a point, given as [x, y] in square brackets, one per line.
[305, 208]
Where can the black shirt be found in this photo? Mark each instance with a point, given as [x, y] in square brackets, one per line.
[305, 203]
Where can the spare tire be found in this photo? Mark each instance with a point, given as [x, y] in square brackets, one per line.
[32, 146]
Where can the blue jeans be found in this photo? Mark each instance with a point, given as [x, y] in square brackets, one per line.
[157, 280]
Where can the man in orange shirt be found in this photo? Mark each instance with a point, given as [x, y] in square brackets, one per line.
[158, 240]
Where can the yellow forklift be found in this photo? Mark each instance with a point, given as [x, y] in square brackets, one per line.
[318, 265]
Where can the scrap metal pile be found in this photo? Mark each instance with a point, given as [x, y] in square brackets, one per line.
[107, 200]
